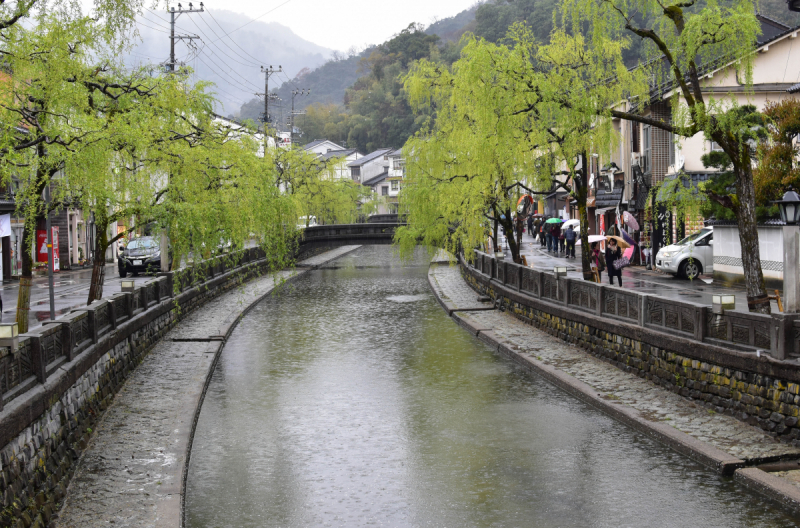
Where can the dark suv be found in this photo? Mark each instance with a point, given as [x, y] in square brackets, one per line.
[140, 255]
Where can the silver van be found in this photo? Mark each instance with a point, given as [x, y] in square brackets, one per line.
[690, 257]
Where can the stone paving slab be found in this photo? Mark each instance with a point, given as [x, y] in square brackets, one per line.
[131, 474]
[454, 298]
[723, 432]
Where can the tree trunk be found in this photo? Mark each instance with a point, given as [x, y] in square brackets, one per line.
[757, 298]
[581, 191]
[508, 228]
[99, 265]
[26, 279]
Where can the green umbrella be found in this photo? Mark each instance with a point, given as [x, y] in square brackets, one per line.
[553, 221]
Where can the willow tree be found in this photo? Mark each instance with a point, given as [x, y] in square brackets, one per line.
[317, 190]
[466, 167]
[46, 116]
[510, 118]
[686, 40]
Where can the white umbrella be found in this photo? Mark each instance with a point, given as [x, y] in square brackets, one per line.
[592, 239]
[575, 223]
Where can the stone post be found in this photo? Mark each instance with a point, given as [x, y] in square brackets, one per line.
[791, 269]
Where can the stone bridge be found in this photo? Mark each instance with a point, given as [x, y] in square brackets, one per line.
[331, 236]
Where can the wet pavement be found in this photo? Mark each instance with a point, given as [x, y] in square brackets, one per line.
[71, 290]
[638, 278]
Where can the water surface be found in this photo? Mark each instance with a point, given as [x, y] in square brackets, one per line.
[351, 399]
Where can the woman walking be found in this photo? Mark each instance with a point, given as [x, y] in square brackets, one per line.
[613, 253]
[597, 259]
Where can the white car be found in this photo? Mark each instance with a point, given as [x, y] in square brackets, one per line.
[690, 257]
[301, 222]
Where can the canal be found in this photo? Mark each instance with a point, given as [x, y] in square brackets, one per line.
[352, 399]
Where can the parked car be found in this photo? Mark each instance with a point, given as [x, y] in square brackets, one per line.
[141, 255]
[690, 257]
[301, 222]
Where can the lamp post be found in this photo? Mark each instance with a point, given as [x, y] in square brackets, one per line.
[790, 214]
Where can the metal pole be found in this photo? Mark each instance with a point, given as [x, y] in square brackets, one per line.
[49, 253]
[172, 39]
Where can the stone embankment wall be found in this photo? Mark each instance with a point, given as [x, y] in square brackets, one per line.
[657, 339]
[61, 378]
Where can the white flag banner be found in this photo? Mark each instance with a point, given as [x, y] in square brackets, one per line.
[5, 225]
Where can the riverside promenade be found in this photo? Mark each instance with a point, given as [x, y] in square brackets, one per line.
[133, 471]
[718, 440]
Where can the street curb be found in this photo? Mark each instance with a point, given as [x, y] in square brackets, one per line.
[768, 485]
[225, 332]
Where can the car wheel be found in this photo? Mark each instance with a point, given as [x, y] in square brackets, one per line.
[691, 269]
[123, 272]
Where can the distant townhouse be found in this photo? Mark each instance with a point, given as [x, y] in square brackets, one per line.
[370, 166]
[322, 146]
[342, 158]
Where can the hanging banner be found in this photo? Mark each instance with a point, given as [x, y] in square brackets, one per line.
[5, 225]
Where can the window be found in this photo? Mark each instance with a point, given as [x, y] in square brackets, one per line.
[395, 185]
[715, 147]
[385, 190]
[646, 149]
[355, 172]
[386, 157]
[672, 149]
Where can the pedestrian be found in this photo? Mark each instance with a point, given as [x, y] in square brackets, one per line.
[543, 233]
[613, 253]
[530, 226]
[562, 241]
[519, 224]
[553, 243]
[596, 259]
[570, 237]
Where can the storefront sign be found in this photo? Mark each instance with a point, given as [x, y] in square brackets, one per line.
[41, 245]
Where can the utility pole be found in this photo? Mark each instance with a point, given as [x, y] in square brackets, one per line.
[173, 15]
[267, 74]
[294, 94]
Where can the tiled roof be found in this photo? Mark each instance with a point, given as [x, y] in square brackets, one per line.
[794, 88]
[605, 198]
[336, 154]
[396, 153]
[369, 157]
[377, 179]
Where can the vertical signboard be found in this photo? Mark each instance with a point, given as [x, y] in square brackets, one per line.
[41, 247]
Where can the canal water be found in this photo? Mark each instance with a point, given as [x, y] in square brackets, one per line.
[351, 399]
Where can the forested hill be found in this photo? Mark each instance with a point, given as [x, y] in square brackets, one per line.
[359, 101]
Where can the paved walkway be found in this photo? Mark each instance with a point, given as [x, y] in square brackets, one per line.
[654, 403]
[131, 473]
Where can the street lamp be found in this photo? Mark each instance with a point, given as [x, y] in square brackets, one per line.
[790, 214]
[9, 336]
[790, 204]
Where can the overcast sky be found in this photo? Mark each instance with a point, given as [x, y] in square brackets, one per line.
[340, 24]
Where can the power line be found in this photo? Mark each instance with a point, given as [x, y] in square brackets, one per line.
[246, 65]
[209, 57]
[231, 39]
[253, 20]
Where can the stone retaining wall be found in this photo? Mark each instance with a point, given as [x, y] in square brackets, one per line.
[748, 385]
[75, 366]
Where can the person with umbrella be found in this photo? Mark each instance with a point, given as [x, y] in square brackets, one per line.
[614, 258]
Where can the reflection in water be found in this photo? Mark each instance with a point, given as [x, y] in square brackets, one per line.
[343, 403]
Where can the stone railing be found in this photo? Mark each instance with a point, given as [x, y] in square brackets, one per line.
[737, 363]
[43, 351]
[742, 331]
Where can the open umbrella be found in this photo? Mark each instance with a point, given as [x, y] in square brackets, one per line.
[630, 220]
[592, 239]
[553, 221]
[575, 223]
[620, 242]
[628, 253]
